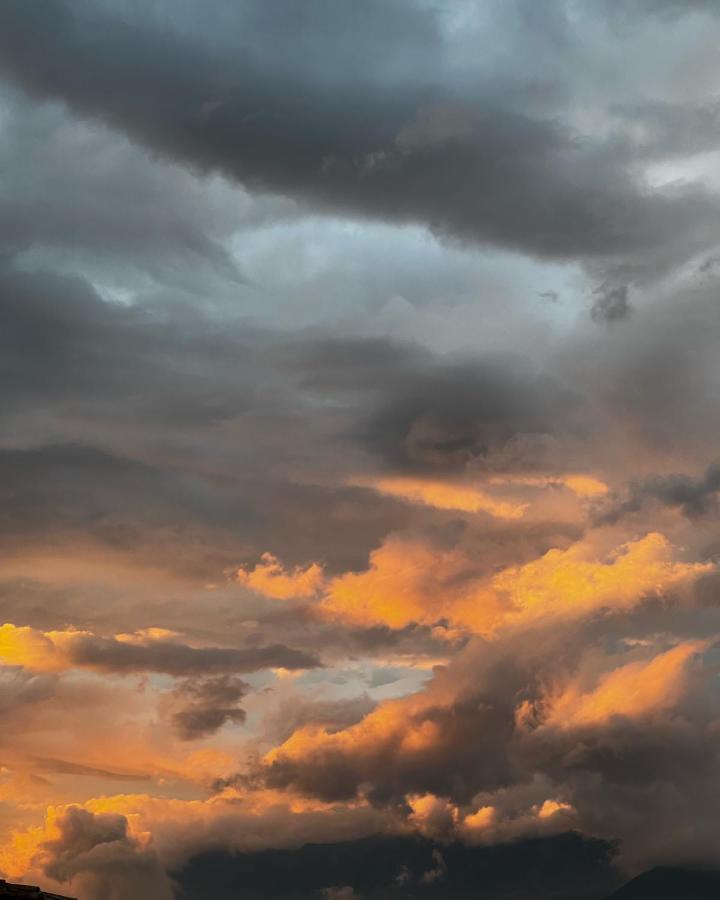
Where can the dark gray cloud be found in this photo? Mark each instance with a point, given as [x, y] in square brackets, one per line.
[18, 688]
[410, 148]
[424, 411]
[611, 304]
[112, 655]
[62, 344]
[96, 852]
[202, 706]
[460, 414]
[642, 378]
[130, 423]
[694, 497]
[153, 383]
[84, 197]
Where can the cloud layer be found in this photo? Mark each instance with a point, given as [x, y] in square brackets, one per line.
[358, 466]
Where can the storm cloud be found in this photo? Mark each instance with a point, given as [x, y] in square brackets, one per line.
[452, 156]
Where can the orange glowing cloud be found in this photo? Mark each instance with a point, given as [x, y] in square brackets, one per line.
[410, 581]
[573, 582]
[437, 817]
[147, 635]
[18, 856]
[488, 826]
[481, 820]
[551, 808]
[25, 646]
[398, 725]
[632, 691]
[585, 485]
[271, 579]
[445, 495]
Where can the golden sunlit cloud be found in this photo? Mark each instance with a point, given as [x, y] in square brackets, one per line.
[406, 581]
[480, 820]
[572, 582]
[271, 579]
[444, 495]
[632, 691]
[25, 646]
[147, 635]
[436, 817]
[552, 807]
[409, 581]
[386, 726]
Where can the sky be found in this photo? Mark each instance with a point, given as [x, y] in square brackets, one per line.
[359, 428]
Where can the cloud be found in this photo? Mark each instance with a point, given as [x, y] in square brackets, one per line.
[410, 581]
[633, 690]
[95, 853]
[19, 687]
[443, 495]
[694, 497]
[111, 655]
[270, 579]
[297, 712]
[611, 304]
[315, 524]
[112, 210]
[519, 811]
[628, 721]
[201, 707]
[90, 846]
[76, 649]
[413, 745]
[484, 413]
[407, 149]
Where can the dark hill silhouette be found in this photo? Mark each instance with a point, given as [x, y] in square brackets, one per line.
[567, 867]
[665, 883]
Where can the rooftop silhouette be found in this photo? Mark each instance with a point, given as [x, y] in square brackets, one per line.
[27, 892]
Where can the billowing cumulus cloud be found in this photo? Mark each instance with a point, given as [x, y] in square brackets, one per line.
[95, 851]
[359, 411]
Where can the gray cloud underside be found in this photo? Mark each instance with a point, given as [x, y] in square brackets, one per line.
[467, 164]
[694, 497]
[140, 426]
[111, 655]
